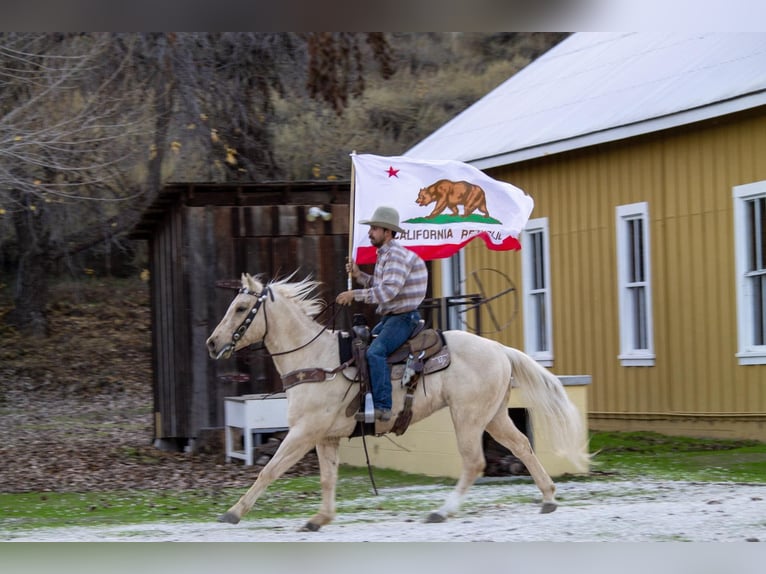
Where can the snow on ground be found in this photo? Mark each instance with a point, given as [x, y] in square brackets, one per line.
[625, 511]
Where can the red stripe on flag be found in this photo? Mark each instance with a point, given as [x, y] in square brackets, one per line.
[368, 255]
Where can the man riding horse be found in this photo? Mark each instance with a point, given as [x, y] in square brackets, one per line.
[398, 286]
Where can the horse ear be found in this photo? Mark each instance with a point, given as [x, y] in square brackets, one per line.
[248, 282]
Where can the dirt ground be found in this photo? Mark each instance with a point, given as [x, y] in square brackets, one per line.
[621, 511]
[76, 407]
[76, 412]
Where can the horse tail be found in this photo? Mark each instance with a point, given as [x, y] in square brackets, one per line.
[550, 408]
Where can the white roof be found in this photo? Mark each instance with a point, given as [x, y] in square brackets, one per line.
[599, 87]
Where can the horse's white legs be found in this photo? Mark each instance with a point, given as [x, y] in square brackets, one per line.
[468, 434]
[327, 453]
[503, 430]
[292, 449]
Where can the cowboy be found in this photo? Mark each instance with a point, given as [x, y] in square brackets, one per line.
[397, 286]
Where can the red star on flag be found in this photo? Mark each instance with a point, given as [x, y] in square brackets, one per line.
[393, 172]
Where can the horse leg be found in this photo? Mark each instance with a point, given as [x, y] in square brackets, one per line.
[503, 430]
[327, 453]
[469, 446]
[292, 449]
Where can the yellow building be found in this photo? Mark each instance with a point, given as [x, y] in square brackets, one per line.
[429, 446]
[644, 261]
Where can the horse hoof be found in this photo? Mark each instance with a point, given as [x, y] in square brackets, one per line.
[548, 507]
[229, 517]
[310, 527]
[435, 517]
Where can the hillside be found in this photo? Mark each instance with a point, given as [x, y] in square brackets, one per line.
[438, 75]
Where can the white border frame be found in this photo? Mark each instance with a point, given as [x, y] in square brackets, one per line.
[545, 358]
[747, 353]
[448, 272]
[628, 356]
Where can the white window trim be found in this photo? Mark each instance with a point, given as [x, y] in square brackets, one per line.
[628, 356]
[747, 352]
[545, 358]
[452, 274]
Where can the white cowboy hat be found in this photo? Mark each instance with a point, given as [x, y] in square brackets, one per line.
[386, 217]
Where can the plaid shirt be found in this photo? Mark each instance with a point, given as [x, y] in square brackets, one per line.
[399, 282]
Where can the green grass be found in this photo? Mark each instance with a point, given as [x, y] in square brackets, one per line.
[619, 456]
[643, 454]
[51, 509]
[287, 497]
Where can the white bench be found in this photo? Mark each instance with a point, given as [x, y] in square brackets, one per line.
[254, 415]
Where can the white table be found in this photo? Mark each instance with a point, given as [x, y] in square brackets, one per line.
[253, 415]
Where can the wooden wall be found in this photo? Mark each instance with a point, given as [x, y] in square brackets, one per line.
[202, 237]
[686, 176]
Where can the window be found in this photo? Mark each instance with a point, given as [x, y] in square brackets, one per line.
[538, 339]
[634, 284]
[750, 262]
[452, 284]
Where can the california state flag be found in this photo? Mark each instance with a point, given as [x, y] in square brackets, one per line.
[442, 205]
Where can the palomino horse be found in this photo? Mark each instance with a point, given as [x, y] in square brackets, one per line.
[475, 387]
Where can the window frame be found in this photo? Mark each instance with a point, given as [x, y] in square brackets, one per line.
[631, 355]
[532, 327]
[453, 283]
[748, 352]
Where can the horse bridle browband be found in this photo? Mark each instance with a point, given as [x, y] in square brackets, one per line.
[259, 299]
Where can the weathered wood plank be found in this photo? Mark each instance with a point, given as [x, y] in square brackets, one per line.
[340, 219]
[258, 221]
[288, 220]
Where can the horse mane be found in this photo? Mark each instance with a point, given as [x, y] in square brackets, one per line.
[301, 292]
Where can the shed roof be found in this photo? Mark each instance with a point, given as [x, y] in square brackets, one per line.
[598, 87]
[238, 194]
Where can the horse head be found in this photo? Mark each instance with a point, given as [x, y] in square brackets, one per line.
[242, 324]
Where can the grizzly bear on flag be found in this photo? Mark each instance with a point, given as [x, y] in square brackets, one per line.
[450, 194]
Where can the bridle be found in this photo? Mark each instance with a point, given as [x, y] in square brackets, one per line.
[260, 300]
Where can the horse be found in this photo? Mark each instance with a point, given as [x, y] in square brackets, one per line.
[475, 387]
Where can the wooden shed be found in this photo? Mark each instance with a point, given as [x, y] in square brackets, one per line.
[201, 238]
[644, 262]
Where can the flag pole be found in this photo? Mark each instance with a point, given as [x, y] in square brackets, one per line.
[351, 221]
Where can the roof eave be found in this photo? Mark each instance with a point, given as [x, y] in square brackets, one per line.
[617, 133]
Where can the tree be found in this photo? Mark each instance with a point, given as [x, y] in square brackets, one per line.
[92, 125]
[68, 117]
[217, 93]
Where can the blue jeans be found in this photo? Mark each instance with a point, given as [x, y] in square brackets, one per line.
[392, 331]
